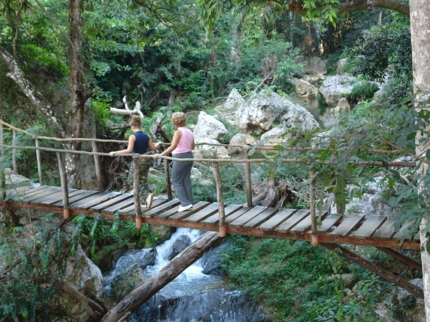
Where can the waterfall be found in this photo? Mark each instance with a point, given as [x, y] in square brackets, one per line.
[191, 296]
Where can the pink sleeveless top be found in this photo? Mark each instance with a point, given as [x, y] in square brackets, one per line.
[184, 144]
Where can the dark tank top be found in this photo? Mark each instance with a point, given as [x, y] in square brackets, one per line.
[141, 144]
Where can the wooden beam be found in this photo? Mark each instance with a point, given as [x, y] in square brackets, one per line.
[98, 167]
[248, 180]
[220, 199]
[406, 260]
[64, 187]
[387, 275]
[133, 300]
[39, 164]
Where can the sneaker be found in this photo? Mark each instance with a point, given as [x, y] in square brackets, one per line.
[183, 208]
[149, 200]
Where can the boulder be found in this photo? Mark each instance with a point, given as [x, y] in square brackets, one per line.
[334, 87]
[179, 245]
[263, 109]
[342, 107]
[312, 66]
[304, 88]
[232, 103]
[210, 151]
[340, 65]
[208, 127]
[241, 139]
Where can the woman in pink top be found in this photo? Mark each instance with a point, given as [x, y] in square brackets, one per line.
[181, 147]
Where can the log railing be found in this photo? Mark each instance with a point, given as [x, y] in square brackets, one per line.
[247, 161]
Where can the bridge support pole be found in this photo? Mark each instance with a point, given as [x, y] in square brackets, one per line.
[314, 236]
[248, 179]
[64, 188]
[220, 197]
[136, 188]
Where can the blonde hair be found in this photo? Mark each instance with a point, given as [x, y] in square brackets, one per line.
[135, 121]
[179, 119]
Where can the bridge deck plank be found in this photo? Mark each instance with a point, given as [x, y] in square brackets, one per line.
[131, 210]
[83, 197]
[59, 197]
[174, 210]
[328, 223]
[233, 216]
[98, 199]
[297, 217]
[214, 219]
[202, 214]
[386, 231]
[81, 203]
[112, 201]
[369, 227]
[405, 231]
[39, 195]
[260, 218]
[247, 216]
[165, 206]
[305, 224]
[347, 225]
[55, 195]
[117, 206]
[24, 191]
[277, 219]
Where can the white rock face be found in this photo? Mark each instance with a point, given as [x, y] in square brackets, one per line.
[210, 151]
[312, 66]
[208, 127]
[342, 107]
[334, 86]
[340, 65]
[304, 88]
[241, 139]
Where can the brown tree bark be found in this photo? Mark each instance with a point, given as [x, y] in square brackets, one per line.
[133, 300]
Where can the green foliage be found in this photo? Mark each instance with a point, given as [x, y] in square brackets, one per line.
[361, 91]
[383, 49]
[290, 278]
[31, 288]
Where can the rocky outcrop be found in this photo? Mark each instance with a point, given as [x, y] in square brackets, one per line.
[304, 88]
[340, 66]
[342, 107]
[314, 68]
[240, 139]
[208, 127]
[334, 87]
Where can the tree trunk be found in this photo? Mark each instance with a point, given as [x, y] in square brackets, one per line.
[420, 29]
[177, 265]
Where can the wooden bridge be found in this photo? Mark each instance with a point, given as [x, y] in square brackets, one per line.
[246, 219]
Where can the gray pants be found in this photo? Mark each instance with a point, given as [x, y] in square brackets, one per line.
[181, 173]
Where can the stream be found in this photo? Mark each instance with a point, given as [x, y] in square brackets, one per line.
[192, 296]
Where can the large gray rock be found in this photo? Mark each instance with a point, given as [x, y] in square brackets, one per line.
[304, 88]
[314, 67]
[340, 66]
[334, 87]
[210, 150]
[240, 139]
[263, 109]
[208, 127]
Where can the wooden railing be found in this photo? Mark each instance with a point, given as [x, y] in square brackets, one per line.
[247, 161]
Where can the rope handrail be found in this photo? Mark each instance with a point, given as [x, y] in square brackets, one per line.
[361, 163]
[265, 147]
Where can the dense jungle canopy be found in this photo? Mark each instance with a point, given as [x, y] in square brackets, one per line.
[64, 64]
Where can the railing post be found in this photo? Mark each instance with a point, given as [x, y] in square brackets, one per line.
[136, 188]
[98, 167]
[64, 188]
[248, 179]
[220, 198]
[39, 164]
[168, 183]
[314, 228]
[1, 141]
[14, 167]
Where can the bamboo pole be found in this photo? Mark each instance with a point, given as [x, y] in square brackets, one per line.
[220, 198]
[14, 167]
[313, 213]
[39, 164]
[168, 183]
[97, 165]
[64, 188]
[248, 180]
